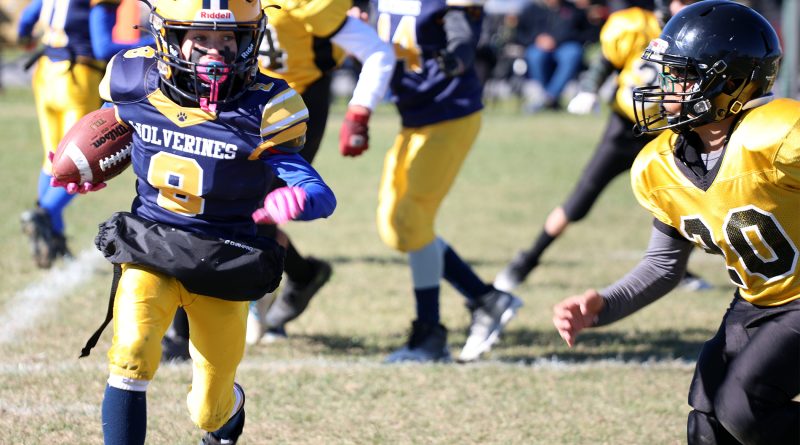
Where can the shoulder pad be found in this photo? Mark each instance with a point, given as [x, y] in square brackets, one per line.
[131, 75]
[283, 120]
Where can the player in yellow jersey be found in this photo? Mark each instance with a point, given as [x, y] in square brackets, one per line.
[726, 178]
[623, 37]
[76, 43]
[305, 41]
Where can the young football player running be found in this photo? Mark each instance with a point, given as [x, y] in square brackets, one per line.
[210, 132]
[438, 95]
[76, 45]
[623, 37]
[725, 179]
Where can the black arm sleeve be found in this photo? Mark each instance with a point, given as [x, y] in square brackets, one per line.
[659, 271]
[461, 40]
[597, 73]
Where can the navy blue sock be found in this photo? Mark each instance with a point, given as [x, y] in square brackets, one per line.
[461, 276]
[124, 416]
[427, 304]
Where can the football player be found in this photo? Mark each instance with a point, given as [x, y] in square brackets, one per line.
[210, 133]
[623, 37]
[76, 45]
[438, 95]
[725, 179]
[305, 42]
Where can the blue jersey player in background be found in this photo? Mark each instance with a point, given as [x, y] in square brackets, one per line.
[438, 95]
[76, 45]
[210, 133]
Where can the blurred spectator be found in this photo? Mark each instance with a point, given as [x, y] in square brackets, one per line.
[554, 33]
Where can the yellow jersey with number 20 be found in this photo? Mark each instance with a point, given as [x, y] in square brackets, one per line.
[749, 213]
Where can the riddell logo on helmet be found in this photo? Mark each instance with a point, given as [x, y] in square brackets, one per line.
[215, 14]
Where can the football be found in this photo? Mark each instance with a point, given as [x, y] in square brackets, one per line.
[94, 150]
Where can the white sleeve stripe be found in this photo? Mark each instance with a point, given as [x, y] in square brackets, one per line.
[376, 56]
[285, 123]
[280, 98]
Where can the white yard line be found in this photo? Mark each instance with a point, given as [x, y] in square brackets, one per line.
[22, 310]
[547, 364]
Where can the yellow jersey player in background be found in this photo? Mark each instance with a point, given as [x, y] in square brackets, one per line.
[726, 178]
[76, 39]
[305, 41]
[210, 132]
[623, 37]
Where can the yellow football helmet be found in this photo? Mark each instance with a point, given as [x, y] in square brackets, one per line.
[208, 85]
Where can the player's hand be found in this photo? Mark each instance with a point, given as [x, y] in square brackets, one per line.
[281, 205]
[449, 64]
[576, 313]
[354, 135]
[74, 187]
[358, 13]
[583, 103]
[27, 43]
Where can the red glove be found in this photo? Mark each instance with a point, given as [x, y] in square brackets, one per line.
[281, 205]
[354, 137]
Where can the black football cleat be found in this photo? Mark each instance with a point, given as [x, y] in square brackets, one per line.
[293, 297]
[46, 244]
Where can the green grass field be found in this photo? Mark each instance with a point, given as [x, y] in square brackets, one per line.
[622, 384]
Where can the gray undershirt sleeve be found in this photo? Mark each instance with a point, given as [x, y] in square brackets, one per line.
[659, 271]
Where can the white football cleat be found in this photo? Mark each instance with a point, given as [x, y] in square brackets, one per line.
[256, 326]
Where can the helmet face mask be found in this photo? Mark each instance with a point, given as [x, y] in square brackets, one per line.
[716, 57]
[191, 78]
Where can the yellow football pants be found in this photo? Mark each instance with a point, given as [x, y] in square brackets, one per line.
[418, 171]
[144, 306]
[62, 97]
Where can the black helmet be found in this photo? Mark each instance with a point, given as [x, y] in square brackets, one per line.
[724, 55]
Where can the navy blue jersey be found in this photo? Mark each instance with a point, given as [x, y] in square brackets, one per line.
[423, 93]
[207, 172]
[66, 27]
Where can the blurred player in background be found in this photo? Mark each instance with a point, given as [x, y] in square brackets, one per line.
[623, 38]
[305, 42]
[725, 179]
[438, 95]
[77, 39]
[210, 133]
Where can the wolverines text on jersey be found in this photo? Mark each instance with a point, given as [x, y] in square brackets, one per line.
[202, 171]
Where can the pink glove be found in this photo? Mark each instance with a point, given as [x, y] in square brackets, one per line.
[74, 187]
[281, 205]
[354, 135]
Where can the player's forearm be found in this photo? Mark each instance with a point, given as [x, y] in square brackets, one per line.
[296, 172]
[659, 271]
[28, 19]
[376, 57]
[461, 40]
[597, 73]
